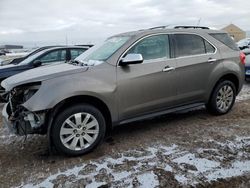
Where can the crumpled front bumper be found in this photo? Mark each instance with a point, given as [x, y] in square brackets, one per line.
[23, 122]
[6, 122]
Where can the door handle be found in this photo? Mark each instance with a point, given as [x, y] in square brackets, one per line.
[168, 69]
[211, 60]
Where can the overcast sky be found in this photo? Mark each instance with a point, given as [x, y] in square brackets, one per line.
[37, 22]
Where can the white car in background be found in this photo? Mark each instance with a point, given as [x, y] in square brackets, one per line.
[244, 43]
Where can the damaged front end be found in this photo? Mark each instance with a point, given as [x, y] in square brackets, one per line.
[16, 117]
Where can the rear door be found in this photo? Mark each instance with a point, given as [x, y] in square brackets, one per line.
[150, 86]
[196, 58]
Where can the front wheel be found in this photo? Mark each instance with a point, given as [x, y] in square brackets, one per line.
[78, 130]
[222, 98]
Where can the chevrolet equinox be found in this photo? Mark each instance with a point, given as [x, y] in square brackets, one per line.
[129, 77]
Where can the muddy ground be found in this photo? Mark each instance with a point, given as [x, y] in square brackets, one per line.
[183, 149]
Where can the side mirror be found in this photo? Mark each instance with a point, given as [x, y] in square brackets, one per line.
[37, 63]
[131, 59]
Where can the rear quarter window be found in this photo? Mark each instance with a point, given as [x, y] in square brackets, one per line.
[225, 39]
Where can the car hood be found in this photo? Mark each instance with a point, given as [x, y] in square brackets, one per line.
[41, 74]
[8, 67]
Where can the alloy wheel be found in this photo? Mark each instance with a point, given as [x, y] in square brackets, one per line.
[79, 131]
[225, 98]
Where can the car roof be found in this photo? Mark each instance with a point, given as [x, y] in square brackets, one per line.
[64, 47]
[166, 30]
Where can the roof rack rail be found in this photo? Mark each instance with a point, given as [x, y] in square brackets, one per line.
[85, 45]
[159, 27]
[190, 27]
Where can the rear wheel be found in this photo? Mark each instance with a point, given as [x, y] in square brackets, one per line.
[222, 98]
[78, 130]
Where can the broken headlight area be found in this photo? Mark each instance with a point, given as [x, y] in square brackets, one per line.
[21, 94]
[24, 122]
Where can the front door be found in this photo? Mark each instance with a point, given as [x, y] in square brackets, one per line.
[150, 86]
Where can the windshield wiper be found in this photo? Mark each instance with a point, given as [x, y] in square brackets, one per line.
[79, 63]
[74, 62]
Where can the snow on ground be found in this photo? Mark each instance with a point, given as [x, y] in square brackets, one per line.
[142, 167]
[245, 93]
[188, 167]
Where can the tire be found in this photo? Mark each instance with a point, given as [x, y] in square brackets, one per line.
[222, 98]
[78, 130]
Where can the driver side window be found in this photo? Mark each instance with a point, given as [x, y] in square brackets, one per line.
[152, 48]
[54, 56]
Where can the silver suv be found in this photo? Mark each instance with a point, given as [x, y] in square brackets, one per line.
[128, 77]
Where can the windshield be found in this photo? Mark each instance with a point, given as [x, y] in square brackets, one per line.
[100, 53]
[30, 58]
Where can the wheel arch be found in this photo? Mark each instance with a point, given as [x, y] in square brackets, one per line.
[96, 102]
[229, 76]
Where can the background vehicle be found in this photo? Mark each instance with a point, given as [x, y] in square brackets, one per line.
[128, 77]
[43, 57]
[244, 43]
[20, 59]
[247, 66]
[3, 52]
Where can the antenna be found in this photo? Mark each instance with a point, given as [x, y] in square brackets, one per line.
[199, 21]
[66, 40]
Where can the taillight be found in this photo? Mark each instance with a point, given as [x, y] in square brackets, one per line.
[242, 58]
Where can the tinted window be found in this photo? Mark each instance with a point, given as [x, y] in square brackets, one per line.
[76, 52]
[209, 48]
[58, 55]
[188, 44]
[153, 47]
[225, 39]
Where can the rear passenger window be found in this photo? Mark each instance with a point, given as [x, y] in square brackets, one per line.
[188, 44]
[153, 47]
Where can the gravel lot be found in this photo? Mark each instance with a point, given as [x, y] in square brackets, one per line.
[183, 149]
